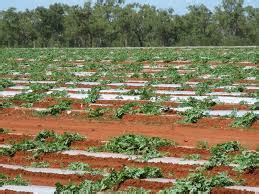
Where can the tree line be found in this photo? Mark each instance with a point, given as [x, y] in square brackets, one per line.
[112, 23]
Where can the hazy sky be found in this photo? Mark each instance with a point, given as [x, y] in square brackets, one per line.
[178, 5]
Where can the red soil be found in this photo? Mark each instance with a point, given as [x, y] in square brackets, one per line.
[48, 179]
[182, 152]
[153, 186]
[229, 191]
[13, 192]
[229, 107]
[251, 179]
[8, 138]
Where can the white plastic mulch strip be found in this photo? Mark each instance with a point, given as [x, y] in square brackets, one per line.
[180, 161]
[19, 73]
[33, 108]
[245, 188]
[98, 155]
[102, 105]
[137, 81]
[33, 82]
[143, 83]
[42, 170]
[155, 85]
[4, 146]
[84, 83]
[222, 113]
[165, 160]
[164, 67]
[19, 87]
[148, 70]
[168, 160]
[11, 93]
[160, 180]
[35, 189]
[238, 113]
[129, 83]
[88, 89]
[252, 88]
[125, 91]
[193, 93]
[219, 77]
[81, 74]
[219, 99]
[248, 87]
[250, 67]
[251, 78]
[105, 97]
[157, 92]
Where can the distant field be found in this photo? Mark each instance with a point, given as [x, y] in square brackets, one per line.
[203, 54]
[134, 120]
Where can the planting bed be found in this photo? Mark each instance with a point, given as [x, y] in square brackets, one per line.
[132, 120]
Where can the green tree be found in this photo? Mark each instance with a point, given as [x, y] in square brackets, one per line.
[231, 20]
[198, 26]
[114, 23]
[77, 31]
[10, 24]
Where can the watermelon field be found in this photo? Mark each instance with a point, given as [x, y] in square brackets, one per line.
[129, 120]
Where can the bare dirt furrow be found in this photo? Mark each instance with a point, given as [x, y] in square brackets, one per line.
[208, 129]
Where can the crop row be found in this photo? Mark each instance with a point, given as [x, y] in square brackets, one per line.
[41, 150]
[143, 54]
[225, 74]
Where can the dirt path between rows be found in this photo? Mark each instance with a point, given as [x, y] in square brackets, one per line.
[103, 130]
